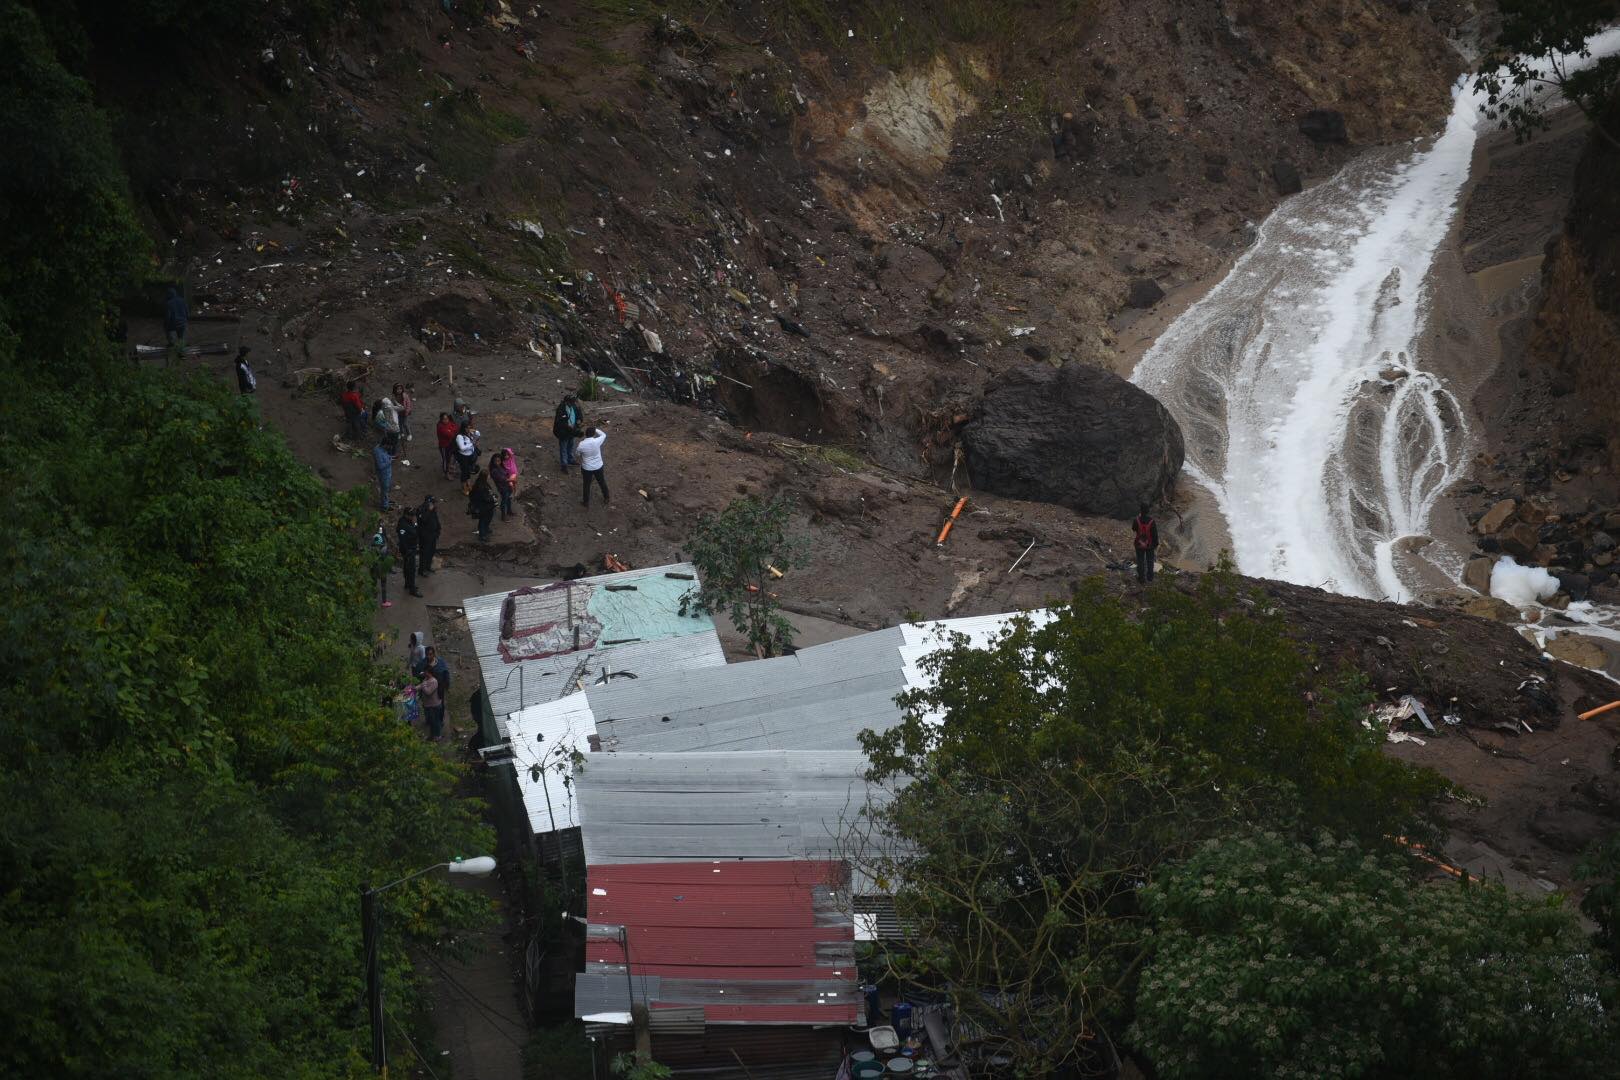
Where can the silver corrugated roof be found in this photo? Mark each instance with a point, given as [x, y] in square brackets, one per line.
[770, 804]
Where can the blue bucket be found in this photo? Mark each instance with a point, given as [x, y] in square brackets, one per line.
[900, 1017]
[874, 1005]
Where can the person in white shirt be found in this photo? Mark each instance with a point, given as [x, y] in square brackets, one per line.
[589, 455]
[467, 450]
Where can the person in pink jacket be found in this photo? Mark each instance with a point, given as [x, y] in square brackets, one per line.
[504, 471]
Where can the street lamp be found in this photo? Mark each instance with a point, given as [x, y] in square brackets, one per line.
[371, 931]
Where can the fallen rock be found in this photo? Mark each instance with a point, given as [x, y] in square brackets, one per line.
[1144, 293]
[1521, 540]
[1324, 126]
[1077, 436]
[1286, 177]
[837, 498]
[1490, 607]
[1496, 517]
[1477, 575]
[1575, 649]
[1576, 586]
[1602, 542]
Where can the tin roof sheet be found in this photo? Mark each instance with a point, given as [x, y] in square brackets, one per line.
[765, 942]
[768, 804]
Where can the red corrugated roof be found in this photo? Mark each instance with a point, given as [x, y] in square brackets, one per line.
[767, 935]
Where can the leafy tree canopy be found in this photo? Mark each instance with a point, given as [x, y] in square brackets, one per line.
[1052, 773]
[198, 763]
[734, 552]
[1276, 958]
[1543, 46]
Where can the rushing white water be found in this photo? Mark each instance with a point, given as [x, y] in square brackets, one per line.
[1303, 381]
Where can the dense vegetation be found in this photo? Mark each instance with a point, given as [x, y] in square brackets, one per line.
[1051, 778]
[196, 759]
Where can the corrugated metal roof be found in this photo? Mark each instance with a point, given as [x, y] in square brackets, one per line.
[818, 699]
[763, 942]
[638, 610]
[768, 804]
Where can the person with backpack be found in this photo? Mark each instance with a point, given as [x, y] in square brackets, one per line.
[1145, 538]
[566, 426]
[427, 533]
[382, 564]
[409, 547]
[245, 382]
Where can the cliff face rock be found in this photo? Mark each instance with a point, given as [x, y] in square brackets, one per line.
[1076, 436]
[1577, 330]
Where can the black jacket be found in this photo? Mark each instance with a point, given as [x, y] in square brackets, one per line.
[408, 542]
[175, 313]
[559, 424]
[427, 525]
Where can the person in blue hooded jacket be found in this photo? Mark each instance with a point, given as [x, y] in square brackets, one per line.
[176, 318]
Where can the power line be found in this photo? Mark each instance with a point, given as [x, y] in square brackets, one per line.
[491, 1014]
[407, 1037]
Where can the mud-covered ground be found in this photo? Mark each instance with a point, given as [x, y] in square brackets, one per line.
[801, 266]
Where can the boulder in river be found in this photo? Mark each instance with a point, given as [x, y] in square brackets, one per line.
[1324, 126]
[1477, 575]
[1077, 436]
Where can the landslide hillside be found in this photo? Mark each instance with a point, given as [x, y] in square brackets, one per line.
[806, 236]
[860, 211]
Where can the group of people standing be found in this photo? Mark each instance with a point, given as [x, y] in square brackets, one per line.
[432, 676]
[490, 482]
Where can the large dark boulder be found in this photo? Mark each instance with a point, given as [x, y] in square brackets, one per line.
[1077, 436]
[1324, 126]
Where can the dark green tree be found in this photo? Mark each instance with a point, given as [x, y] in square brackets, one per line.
[1600, 868]
[1541, 53]
[734, 552]
[1276, 958]
[1050, 775]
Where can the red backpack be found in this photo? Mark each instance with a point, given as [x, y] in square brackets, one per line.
[1144, 533]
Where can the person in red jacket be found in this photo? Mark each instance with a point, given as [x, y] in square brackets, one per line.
[446, 433]
[354, 410]
[1145, 537]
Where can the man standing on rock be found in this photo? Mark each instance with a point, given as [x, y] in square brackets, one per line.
[1145, 535]
[590, 464]
[565, 426]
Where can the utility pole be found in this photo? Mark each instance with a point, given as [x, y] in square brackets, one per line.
[371, 942]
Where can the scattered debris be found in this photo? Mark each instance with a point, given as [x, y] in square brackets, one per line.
[1599, 711]
[955, 513]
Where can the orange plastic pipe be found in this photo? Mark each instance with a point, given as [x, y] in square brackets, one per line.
[946, 531]
[1599, 711]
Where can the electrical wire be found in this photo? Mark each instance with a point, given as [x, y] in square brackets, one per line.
[494, 1016]
[407, 1037]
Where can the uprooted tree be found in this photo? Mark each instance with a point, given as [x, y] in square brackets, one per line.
[740, 553]
[1051, 775]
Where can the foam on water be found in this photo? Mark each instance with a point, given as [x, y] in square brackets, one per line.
[1521, 586]
[1300, 381]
